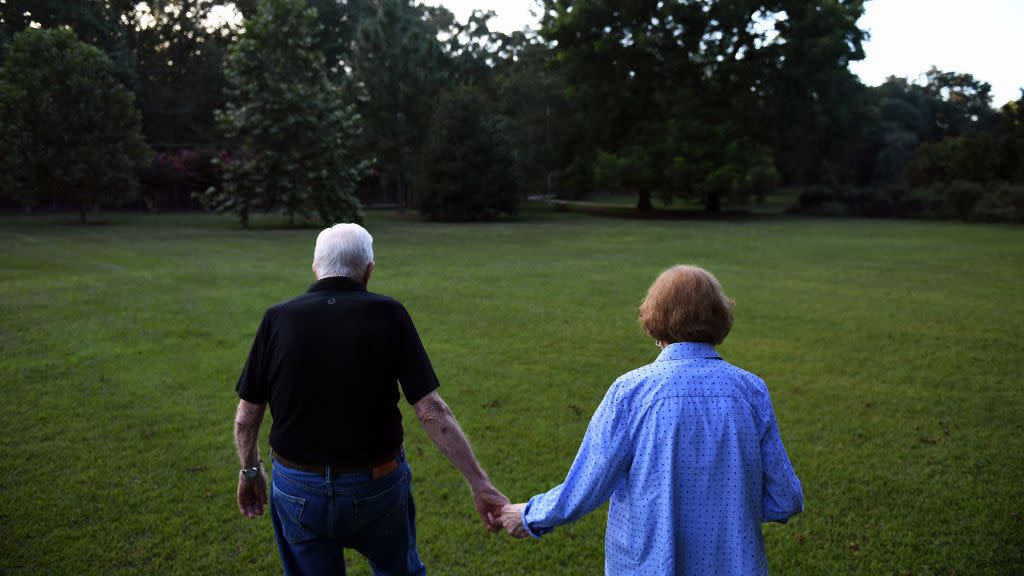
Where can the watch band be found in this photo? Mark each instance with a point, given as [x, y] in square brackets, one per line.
[252, 472]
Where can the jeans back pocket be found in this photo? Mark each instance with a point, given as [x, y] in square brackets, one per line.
[289, 511]
[389, 500]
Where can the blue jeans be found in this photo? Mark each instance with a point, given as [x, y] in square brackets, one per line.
[317, 516]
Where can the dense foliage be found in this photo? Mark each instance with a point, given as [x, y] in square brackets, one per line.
[709, 103]
[69, 132]
[696, 98]
[468, 172]
[290, 122]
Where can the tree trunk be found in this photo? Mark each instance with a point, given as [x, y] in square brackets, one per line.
[401, 195]
[244, 214]
[643, 200]
[713, 203]
[81, 214]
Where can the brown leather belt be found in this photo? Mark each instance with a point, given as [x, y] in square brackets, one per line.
[378, 471]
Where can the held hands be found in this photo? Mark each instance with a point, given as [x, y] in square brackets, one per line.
[512, 520]
[252, 495]
[497, 512]
[489, 502]
[494, 508]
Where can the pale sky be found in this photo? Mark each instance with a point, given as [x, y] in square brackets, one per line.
[981, 37]
[511, 15]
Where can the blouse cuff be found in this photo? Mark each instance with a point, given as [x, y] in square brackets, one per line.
[536, 531]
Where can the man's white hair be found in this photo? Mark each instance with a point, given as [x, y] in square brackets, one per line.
[343, 250]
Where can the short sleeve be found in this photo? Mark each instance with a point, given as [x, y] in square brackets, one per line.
[253, 385]
[415, 373]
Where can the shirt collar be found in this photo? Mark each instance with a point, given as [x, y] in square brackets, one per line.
[337, 284]
[687, 351]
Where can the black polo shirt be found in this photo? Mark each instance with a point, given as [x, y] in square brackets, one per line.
[329, 363]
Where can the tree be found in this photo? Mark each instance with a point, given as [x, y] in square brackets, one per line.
[807, 103]
[180, 67]
[971, 157]
[694, 80]
[339, 21]
[902, 115]
[1011, 140]
[469, 168]
[962, 104]
[107, 25]
[399, 66]
[169, 53]
[71, 130]
[293, 129]
[531, 93]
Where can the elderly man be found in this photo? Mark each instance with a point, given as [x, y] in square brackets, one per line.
[687, 448]
[329, 363]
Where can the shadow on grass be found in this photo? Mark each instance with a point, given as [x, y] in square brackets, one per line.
[87, 224]
[659, 214]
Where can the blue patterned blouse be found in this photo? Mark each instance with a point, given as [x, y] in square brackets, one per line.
[689, 452]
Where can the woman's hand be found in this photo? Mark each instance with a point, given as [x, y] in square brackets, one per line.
[512, 520]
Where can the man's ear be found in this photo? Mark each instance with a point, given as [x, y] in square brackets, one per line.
[366, 277]
[314, 270]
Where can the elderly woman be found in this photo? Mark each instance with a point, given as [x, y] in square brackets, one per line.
[686, 447]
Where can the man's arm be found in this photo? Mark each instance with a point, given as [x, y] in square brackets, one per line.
[252, 494]
[444, 431]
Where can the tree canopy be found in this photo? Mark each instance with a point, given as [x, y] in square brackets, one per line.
[71, 131]
[706, 102]
[688, 90]
[289, 120]
[469, 169]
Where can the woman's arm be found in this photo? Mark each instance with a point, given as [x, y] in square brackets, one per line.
[782, 495]
[602, 462]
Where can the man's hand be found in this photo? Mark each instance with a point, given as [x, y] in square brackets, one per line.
[252, 495]
[489, 502]
[512, 520]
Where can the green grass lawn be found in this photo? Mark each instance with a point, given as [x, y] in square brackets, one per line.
[893, 351]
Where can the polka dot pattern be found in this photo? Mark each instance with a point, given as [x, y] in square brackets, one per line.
[688, 451]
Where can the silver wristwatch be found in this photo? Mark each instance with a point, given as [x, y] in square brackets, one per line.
[253, 472]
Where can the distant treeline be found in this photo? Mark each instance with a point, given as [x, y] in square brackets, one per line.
[317, 107]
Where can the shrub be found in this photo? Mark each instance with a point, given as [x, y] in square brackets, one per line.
[962, 196]
[922, 202]
[994, 206]
[1001, 202]
[175, 179]
[970, 157]
[871, 203]
[814, 197]
[164, 183]
[833, 208]
[468, 162]
[761, 180]
[1015, 193]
